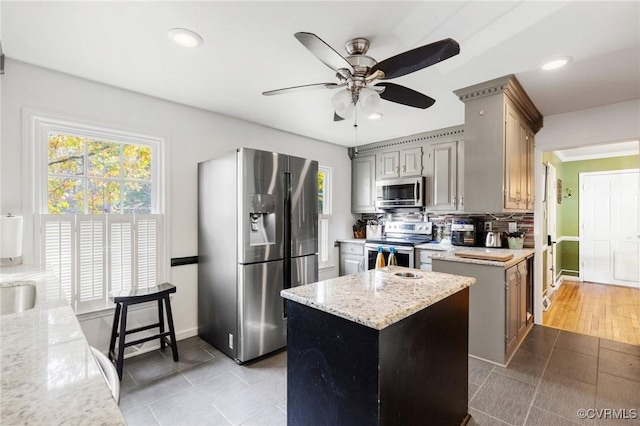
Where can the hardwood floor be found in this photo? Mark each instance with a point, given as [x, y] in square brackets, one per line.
[606, 311]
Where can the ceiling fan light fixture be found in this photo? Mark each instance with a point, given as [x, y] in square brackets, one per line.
[556, 63]
[369, 101]
[184, 37]
[342, 103]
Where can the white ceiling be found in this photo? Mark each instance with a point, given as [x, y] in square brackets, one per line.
[249, 48]
[592, 152]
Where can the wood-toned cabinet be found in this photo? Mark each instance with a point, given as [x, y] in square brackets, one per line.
[352, 258]
[516, 305]
[442, 162]
[500, 123]
[396, 164]
[518, 148]
[363, 184]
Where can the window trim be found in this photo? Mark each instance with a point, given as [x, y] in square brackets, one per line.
[36, 125]
[326, 214]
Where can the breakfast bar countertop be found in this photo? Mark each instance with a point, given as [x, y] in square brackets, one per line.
[48, 374]
[518, 256]
[378, 298]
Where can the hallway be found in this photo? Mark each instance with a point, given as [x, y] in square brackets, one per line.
[600, 310]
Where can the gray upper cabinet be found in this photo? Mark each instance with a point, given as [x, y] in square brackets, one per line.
[442, 169]
[500, 121]
[363, 184]
[396, 164]
[388, 165]
[444, 163]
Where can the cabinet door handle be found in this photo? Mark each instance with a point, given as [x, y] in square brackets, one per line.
[461, 201]
[404, 168]
[397, 169]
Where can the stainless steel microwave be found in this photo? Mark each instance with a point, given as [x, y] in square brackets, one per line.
[406, 192]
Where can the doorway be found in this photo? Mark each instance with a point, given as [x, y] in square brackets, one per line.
[588, 193]
[609, 231]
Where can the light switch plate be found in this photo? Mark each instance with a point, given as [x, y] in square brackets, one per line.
[513, 227]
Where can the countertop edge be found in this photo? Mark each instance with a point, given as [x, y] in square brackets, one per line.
[405, 310]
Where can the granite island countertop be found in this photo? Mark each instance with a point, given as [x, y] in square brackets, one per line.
[518, 256]
[47, 372]
[378, 298]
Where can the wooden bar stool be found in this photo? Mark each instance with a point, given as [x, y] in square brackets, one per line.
[123, 300]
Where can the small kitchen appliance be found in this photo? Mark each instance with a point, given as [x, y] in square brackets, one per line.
[493, 239]
[467, 232]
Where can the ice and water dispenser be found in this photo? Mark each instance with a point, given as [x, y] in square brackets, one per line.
[262, 219]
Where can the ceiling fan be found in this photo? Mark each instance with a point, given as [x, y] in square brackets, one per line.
[356, 73]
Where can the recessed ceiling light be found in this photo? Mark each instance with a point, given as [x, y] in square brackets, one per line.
[375, 116]
[557, 63]
[184, 37]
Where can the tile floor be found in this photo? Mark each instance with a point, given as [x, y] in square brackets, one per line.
[553, 374]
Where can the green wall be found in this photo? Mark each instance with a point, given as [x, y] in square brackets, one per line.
[568, 211]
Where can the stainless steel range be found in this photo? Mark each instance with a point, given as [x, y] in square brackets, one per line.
[403, 236]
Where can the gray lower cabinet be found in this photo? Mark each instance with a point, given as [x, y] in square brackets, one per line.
[352, 258]
[499, 307]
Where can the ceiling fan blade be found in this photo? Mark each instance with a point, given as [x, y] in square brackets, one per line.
[336, 117]
[405, 96]
[302, 88]
[323, 51]
[418, 58]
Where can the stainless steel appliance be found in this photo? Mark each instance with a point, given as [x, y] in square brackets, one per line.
[467, 232]
[406, 192]
[257, 234]
[493, 239]
[403, 236]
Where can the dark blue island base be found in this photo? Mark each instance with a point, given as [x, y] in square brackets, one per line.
[413, 372]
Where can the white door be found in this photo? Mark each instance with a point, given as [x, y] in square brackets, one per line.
[609, 234]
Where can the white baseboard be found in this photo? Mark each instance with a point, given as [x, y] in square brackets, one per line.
[569, 278]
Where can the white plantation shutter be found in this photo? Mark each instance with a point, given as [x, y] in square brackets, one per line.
[91, 258]
[57, 244]
[95, 255]
[121, 259]
[147, 234]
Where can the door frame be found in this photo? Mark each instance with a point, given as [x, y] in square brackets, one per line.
[581, 209]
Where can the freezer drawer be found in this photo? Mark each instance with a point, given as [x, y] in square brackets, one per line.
[262, 326]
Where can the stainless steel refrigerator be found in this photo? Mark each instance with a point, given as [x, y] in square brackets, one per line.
[257, 234]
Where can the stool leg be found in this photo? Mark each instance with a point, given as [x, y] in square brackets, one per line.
[161, 322]
[172, 331]
[114, 331]
[123, 332]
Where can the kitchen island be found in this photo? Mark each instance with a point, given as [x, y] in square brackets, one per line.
[500, 302]
[48, 373]
[378, 348]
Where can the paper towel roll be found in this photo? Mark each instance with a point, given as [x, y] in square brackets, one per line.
[10, 236]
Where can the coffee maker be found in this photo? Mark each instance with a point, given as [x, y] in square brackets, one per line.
[467, 232]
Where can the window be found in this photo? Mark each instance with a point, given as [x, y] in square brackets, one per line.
[325, 248]
[99, 209]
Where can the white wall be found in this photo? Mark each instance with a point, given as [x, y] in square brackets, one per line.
[192, 135]
[609, 123]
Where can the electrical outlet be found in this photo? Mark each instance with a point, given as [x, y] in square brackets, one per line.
[513, 227]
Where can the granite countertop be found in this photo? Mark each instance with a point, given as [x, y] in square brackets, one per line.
[47, 372]
[518, 256]
[377, 298]
[352, 240]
